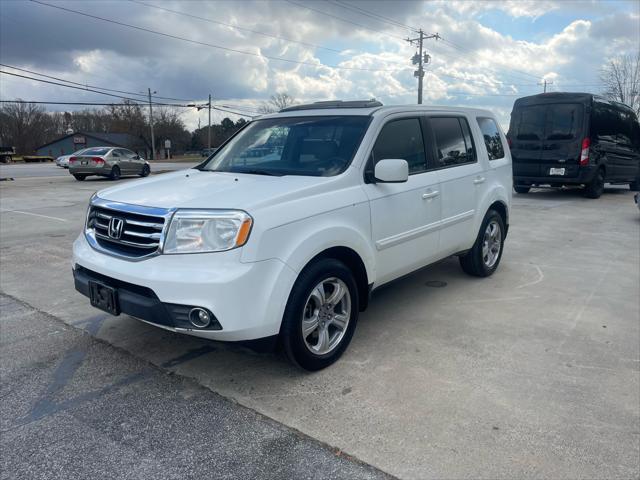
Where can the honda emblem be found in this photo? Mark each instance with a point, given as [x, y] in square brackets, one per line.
[116, 226]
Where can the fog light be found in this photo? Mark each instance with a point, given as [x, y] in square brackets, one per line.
[199, 317]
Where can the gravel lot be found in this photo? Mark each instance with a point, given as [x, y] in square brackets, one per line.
[533, 372]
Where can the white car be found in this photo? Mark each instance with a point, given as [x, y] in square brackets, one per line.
[287, 229]
[63, 160]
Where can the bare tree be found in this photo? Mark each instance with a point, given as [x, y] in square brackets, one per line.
[276, 103]
[621, 79]
[26, 126]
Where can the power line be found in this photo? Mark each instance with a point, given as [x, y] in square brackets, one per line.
[344, 20]
[236, 27]
[89, 86]
[375, 16]
[196, 42]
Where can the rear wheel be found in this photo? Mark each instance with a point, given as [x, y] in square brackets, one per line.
[115, 173]
[79, 177]
[484, 257]
[596, 187]
[321, 315]
[145, 171]
[521, 188]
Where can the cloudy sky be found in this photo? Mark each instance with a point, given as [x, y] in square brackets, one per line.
[241, 52]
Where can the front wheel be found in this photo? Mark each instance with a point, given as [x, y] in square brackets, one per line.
[484, 257]
[145, 171]
[321, 315]
[596, 187]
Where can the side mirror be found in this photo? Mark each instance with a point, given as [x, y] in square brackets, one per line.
[391, 171]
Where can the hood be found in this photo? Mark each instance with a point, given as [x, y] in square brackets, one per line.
[195, 189]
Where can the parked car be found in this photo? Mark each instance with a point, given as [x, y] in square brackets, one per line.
[291, 245]
[560, 139]
[108, 162]
[6, 154]
[63, 160]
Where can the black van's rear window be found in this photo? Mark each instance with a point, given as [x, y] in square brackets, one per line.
[556, 121]
[564, 121]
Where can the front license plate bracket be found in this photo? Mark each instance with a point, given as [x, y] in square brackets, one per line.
[104, 297]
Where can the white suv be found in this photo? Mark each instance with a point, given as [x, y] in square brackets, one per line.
[285, 231]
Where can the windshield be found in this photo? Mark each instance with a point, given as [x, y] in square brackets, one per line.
[310, 146]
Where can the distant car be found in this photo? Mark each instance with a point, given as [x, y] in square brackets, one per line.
[562, 138]
[108, 162]
[63, 160]
[6, 153]
[208, 151]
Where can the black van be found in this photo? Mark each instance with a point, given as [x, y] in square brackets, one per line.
[561, 139]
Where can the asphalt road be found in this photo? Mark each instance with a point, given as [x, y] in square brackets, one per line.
[531, 373]
[76, 407]
[49, 169]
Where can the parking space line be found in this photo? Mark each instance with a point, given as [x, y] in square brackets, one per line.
[34, 214]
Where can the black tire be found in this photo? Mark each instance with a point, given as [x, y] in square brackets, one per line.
[473, 262]
[291, 336]
[596, 187]
[521, 188]
[115, 173]
[635, 185]
[79, 177]
[145, 171]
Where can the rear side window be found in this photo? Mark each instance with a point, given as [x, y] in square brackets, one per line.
[610, 124]
[564, 121]
[402, 139]
[453, 141]
[492, 139]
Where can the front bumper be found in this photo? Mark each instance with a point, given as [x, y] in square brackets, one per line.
[247, 299]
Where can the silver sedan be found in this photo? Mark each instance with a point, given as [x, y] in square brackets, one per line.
[111, 162]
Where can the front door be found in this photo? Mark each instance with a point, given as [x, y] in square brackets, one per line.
[404, 216]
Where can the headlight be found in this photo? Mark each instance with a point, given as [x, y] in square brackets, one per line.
[199, 231]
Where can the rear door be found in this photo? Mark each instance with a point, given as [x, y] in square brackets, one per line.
[563, 134]
[526, 134]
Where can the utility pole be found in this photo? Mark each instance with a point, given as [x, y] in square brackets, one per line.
[421, 59]
[153, 141]
[209, 127]
[545, 83]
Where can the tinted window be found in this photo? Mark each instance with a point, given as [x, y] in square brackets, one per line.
[310, 146]
[529, 123]
[609, 124]
[96, 151]
[451, 147]
[492, 139]
[564, 121]
[402, 139]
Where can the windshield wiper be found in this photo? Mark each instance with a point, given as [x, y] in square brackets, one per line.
[257, 171]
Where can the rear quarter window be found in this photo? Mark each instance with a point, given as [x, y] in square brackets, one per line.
[491, 136]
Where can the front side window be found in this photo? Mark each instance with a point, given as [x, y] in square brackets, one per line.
[401, 139]
[492, 139]
[453, 141]
[308, 146]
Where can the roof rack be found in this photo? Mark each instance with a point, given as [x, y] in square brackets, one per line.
[335, 104]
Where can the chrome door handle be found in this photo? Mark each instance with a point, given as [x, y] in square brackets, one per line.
[479, 180]
[433, 194]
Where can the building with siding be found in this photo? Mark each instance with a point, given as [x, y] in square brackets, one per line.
[73, 142]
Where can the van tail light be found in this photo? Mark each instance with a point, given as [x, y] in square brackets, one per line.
[73, 159]
[97, 160]
[584, 153]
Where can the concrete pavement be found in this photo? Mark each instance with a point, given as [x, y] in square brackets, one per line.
[531, 373]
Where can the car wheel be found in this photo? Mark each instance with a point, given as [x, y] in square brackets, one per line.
[596, 187]
[521, 188]
[321, 315]
[79, 177]
[484, 257]
[115, 173]
[145, 171]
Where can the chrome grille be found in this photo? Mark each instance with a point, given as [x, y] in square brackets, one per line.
[128, 231]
